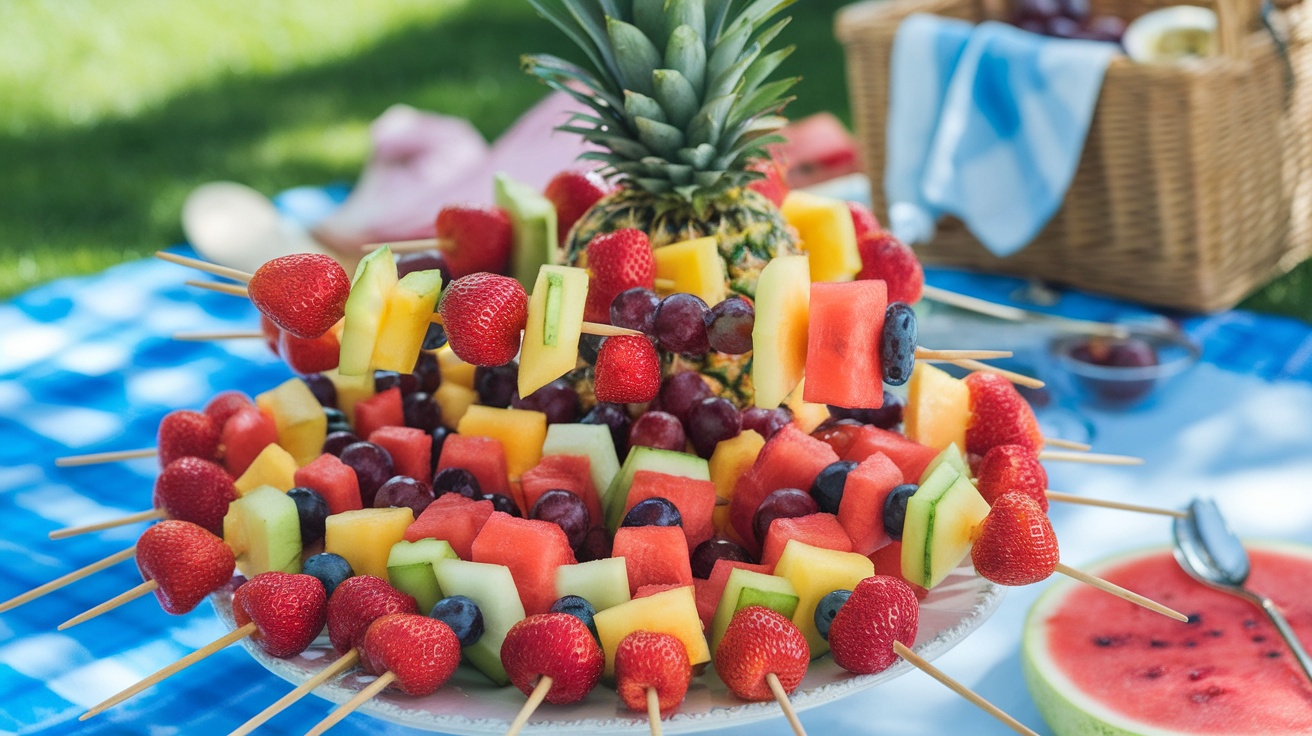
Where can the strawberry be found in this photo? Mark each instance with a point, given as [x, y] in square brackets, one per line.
[618, 261]
[574, 193]
[999, 416]
[864, 220]
[774, 186]
[483, 314]
[186, 561]
[1015, 544]
[646, 659]
[358, 602]
[271, 333]
[225, 404]
[760, 641]
[422, 652]
[288, 611]
[314, 355]
[885, 257]
[628, 371]
[244, 436]
[555, 645]
[881, 610]
[304, 293]
[474, 238]
[1012, 469]
[195, 490]
[185, 433]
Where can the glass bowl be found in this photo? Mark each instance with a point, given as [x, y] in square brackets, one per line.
[1123, 386]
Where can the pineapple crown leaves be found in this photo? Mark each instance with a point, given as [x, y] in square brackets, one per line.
[679, 91]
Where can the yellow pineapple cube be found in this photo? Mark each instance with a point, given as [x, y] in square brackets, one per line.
[521, 433]
[814, 573]
[828, 236]
[808, 415]
[695, 267]
[937, 409]
[273, 467]
[453, 369]
[731, 459]
[454, 400]
[408, 313]
[672, 612]
[351, 390]
[783, 313]
[299, 418]
[365, 537]
[550, 348]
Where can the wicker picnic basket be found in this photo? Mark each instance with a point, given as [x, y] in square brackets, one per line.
[1195, 186]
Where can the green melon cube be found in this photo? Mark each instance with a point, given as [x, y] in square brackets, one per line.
[493, 590]
[365, 307]
[410, 569]
[648, 458]
[533, 218]
[603, 583]
[750, 588]
[950, 455]
[591, 440]
[264, 532]
[940, 525]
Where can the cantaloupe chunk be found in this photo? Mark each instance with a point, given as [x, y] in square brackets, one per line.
[299, 417]
[351, 390]
[937, 409]
[365, 537]
[695, 267]
[827, 234]
[672, 612]
[453, 369]
[521, 433]
[550, 348]
[731, 459]
[273, 467]
[454, 400]
[408, 311]
[783, 295]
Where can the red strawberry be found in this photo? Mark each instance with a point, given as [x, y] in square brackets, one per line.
[555, 645]
[1012, 469]
[422, 652]
[881, 610]
[314, 355]
[185, 433]
[271, 333]
[574, 193]
[475, 238]
[1015, 544]
[999, 415]
[304, 293]
[288, 611]
[864, 220]
[244, 436]
[483, 314]
[760, 641]
[646, 659]
[774, 186]
[195, 490]
[885, 257]
[186, 561]
[628, 371]
[618, 261]
[225, 404]
[358, 602]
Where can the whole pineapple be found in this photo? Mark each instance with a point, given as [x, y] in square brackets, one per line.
[682, 107]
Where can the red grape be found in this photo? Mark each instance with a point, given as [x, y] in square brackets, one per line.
[566, 511]
[658, 429]
[680, 324]
[711, 421]
[635, 309]
[729, 326]
[785, 503]
[681, 392]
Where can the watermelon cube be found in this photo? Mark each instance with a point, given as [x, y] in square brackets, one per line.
[532, 549]
[790, 459]
[706, 600]
[454, 519]
[821, 530]
[910, 457]
[653, 589]
[861, 512]
[378, 411]
[411, 450]
[334, 480]
[482, 456]
[842, 353]
[655, 555]
[244, 437]
[571, 473]
[695, 500]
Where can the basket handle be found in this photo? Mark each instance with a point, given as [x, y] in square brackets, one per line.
[1233, 18]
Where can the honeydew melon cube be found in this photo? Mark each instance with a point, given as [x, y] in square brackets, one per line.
[274, 467]
[365, 537]
[492, 589]
[374, 278]
[827, 234]
[603, 583]
[453, 369]
[533, 218]
[550, 348]
[520, 431]
[672, 612]
[952, 456]
[937, 409]
[594, 441]
[299, 418]
[454, 400]
[815, 573]
[263, 530]
[351, 390]
[648, 458]
[750, 588]
[408, 313]
[732, 458]
[940, 524]
[410, 567]
[695, 267]
[779, 337]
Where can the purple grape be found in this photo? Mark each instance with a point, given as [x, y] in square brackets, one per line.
[1128, 353]
[565, 510]
[1033, 25]
[887, 416]
[335, 442]
[1063, 27]
[897, 344]
[372, 465]
[439, 436]
[680, 325]
[653, 512]
[428, 372]
[558, 400]
[712, 421]
[324, 390]
[1076, 10]
[404, 491]
[504, 504]
[384, 380]
[1040, 10]
[765, 422]
[1105, 28]
[457, 480]
[421, 412]
[681, 391]
[423, 260]
[707, 553]
[729, 326]
[588, 347]
[497, 386]
[785, 503]
[596, 545]
[635, 309]
[616, 419]
[658, 429]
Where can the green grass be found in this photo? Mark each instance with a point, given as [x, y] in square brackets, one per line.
[112, 112]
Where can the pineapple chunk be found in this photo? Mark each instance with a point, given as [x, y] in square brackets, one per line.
[299, 418]
[672, 612]
[695, 267]
[405, 321]
[273, 467]
[374, 278]
[731, 459]
[827, 233]
[351, 390]
[521, 433]
[365, 537]
[454, 400]
[453, 369]
[783, 298]
[937, 409]
[555, 322]
[808, 415]
[814, 573]
[263, 529]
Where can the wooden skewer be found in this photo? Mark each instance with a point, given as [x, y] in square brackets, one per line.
[534, 700]
[1120, 592]
[1093, 458]
[71, 577]
[212, 336]
[172, 669]
[921, 664]
[1066, 444]
[343, 663]
[206, 266]
[230, 289]
[1071, 498]
[126, 596]
[347, 708]
[409, 246]
[777, 688]
[654, 711]
[1020, 379]
[73, 531]
[1015, 314]
[96, 458]
[664, 284]
[924, 353]
[589, 328]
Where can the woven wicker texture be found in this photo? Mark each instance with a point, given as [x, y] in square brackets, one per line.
[1195, 186]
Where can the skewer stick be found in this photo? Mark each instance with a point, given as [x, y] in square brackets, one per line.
[1066, 444]
[347, 708]
[212, 336]
[1072, 498]
[777, 688]
[589, 328]
[664, 284]
[96, 458]
[921, 664]
[1015, 314]
[924, 353]
[1093, 458]
[172, 669]
[1120, 592]
[343, 663]
[125, 597]
[1020, 379]
[206, 266]
[71, 577]
[230, 289]
[654, 711]
[100, 526]
[534, 700]
[409, 246]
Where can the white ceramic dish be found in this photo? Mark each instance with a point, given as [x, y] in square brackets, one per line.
[470, 704]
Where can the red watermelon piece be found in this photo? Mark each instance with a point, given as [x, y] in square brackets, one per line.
[454, 518]
[861, 512]
[647, 590]
[706, 599]
[334, 480]
[818, 530]
[567, 473]
[695, 500]
[532, 550]
[244, 436]
[842, 353]
[482, 456]
[654, 555]
[411, 450]
[790, 459]
[380, 410]
[910, 457]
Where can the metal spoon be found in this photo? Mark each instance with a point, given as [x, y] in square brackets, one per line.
[1212, 554]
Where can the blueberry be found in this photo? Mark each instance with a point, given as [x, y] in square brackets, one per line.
[324, 390]
[897, 347]
[435, 337]
[457, 480]
[502, 502]
[895, 509]
[439, 436]
[337, 421]
[827, 608]
[463, 616]
[313, 512]
[330, 569]
[384, 380]
[827, 490]
[653, 512]
[579, 608]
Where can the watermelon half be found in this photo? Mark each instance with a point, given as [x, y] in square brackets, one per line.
[1096, 664]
